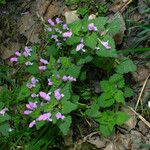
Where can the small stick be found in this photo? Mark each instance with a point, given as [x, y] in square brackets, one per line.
[143, 119]
[143, 87]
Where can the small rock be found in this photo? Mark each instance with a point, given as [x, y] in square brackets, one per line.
[110, 146]
[141, 74]
[56, 8]
[131, 123]
[142, 127]
[30, 28]
[71, 16]
[8, 51]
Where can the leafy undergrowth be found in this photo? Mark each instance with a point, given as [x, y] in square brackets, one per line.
[48, 89]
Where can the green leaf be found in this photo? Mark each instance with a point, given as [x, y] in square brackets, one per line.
[4, 118]
[106, 86]
[23, 93]
[84, 60]
[33, 69]
[106, 130]
[105, 100]
[125, 66]
[91, 40]
[119, 97]
[113, 27]
[93, 111]
[68, 107]
[102, 51]
[73, 40]
[100, 22]
[73, 71]
[121, 117]
[65, 61]
[51, 50]
[128, 92]
[4, 129]
[65, 125]
[66, 90]
[76, 26]
[1, 104]
[82, 10]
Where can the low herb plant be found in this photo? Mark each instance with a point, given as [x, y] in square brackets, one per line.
[55, 79]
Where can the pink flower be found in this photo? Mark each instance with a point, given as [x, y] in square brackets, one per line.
[3, 111]
[59, 116]
[65, 78]
[91, 27]
[31, 105]
[105, 44]
[27, 49]
[42, 67]
[58, 95]
[79, 47]
[54, 36]
[65, 26]
[44, 96]
[45, 116]
[50, 82]
[26, 54]
[28, 63]
[14, 59]
[58, 76]
[33, 95]
[58, 21]
[34, 80]
[51, 22]
[17, 53]
[49, 29]
[32, 124]
[27, 112]
[67, 34]
[71, 78]
[45, 62]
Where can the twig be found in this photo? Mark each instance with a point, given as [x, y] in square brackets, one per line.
[143, 119]
[143, 87]
[125, 5]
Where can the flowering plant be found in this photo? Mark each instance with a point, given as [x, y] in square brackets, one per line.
[68, 51]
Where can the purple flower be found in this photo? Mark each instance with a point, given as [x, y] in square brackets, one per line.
[32, 124]
[54, 36]
[33, 95]
[65, 78]
[91, 27]
[27, 112]
[51, 22]
[45, 62]
[50, 82]
[27, 49]
[49, 29]
[26, 54]
[30, 86]
[41, 104]
[44, 96]
[65, 26]
[3, 111]
[34, 80]
[59, 116]
[42, 67]
[17, 53]
[81, 40]
[58, 76]
[31, 105]
[58, 21]
[14, 59]
[79, 47]
[28, 63]
[71, 78]
[58, 30]
[58, 95]
[45, 116]
[105, 44]
[67, 34]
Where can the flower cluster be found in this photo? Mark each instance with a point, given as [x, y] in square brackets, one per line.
[33, 83]
[43, 64]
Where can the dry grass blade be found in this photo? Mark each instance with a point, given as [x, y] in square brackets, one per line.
[143, 119]
[143, 87]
